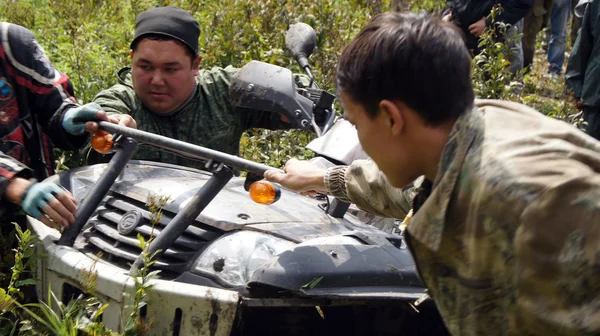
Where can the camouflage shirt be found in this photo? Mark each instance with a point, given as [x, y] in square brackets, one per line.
[506, 237]
[206, 119]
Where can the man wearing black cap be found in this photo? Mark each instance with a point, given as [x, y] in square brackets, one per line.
[167, 94]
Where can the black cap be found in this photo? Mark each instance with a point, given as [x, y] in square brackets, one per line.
[169, 21]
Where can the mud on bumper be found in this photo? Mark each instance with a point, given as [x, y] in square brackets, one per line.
[177, 308]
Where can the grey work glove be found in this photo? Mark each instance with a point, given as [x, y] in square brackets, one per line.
[74, 119]
[45, 201]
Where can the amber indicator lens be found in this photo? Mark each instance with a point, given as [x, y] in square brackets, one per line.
[102, 142]
[263, 192]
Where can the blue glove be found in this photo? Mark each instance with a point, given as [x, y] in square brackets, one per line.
[37, 197]
[75, 118]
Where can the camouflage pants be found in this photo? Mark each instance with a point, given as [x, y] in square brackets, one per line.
[534, 21]
[531, 26]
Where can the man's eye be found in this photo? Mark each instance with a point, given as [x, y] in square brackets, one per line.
[145, 67]
[170, 70]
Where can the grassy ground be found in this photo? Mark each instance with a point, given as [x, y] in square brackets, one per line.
[88, 62]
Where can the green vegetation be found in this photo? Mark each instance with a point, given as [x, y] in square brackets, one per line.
[89, 40]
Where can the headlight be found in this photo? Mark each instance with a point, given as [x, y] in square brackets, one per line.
[235, 257]
[84, 180]
[80, 189]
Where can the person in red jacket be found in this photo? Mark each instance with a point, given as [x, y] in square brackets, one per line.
[37, 111]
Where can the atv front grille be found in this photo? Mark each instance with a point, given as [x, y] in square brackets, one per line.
[102, 235]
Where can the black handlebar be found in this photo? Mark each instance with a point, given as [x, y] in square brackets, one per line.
[186, 149]
[126, 148]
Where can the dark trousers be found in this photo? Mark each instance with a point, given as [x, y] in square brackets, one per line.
[531, 27]
[592, 116]
[575, 24]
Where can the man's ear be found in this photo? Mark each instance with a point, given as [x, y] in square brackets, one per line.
[392, 114]
[131, 54]
[196, 65]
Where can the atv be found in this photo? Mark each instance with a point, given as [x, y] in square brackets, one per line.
[236, 255]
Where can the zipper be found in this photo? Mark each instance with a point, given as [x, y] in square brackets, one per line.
[173, 126]
[407, 240]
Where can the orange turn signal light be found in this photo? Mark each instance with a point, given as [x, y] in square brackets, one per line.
[263, 192]
[102, 142]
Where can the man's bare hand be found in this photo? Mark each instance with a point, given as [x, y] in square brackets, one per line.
[300, 176]
[119, 119]
[578, 102]
[447, 17]
[478, 27]
[45, 201]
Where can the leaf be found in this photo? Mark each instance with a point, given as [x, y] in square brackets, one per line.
[320, 311]
[100, 311]
[25, 282]
[153, 274]
[28, 252]
[313, 283]
[142, 241]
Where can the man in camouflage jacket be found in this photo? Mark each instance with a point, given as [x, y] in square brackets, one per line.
[167, 94]
[506, 201]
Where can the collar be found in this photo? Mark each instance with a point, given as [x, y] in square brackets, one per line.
[427, 225]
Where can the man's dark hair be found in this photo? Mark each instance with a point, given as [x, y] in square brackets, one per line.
[415, 58]
[159, 37]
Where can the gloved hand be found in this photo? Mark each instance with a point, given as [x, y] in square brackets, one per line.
[74, 119]
[49, 199]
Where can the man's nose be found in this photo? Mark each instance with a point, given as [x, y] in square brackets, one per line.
[157, 78]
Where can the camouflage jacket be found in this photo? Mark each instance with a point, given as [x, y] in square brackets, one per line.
[206, 119]
[506, 237]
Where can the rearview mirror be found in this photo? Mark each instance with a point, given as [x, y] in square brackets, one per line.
[266, 87]
[301, 39]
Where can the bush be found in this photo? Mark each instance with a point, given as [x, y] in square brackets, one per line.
[89, 40]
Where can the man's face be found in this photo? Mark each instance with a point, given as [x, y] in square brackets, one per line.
[163, 74]
[380, 142]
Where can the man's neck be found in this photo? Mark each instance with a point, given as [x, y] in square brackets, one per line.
[431, 153]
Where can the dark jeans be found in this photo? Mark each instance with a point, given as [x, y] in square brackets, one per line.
[559, 19]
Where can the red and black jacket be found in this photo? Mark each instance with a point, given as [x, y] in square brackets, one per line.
[34, 96]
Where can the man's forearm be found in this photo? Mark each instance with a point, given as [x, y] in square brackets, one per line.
[11, 170]
[15, 189]
[335, 182]
[512, 11]
[363, 184]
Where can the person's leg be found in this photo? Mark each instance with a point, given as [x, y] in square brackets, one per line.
[575, 23]
[531, 27]
[514, 38]
[591, 115]
[546, 24]
[561, 11]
